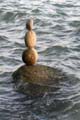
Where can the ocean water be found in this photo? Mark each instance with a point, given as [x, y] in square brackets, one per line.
[57, 25]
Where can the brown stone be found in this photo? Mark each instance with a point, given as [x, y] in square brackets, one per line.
[30, 56]
[29, 24]
[30, 39]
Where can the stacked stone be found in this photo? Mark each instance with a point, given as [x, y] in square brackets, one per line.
[30, 55]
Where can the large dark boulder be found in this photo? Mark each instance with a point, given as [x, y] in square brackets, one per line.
[36, 79]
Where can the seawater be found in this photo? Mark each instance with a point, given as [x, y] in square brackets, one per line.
[57, 25]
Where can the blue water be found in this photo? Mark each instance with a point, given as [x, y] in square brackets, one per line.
[57, 25]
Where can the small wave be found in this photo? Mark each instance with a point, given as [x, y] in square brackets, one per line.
[3, 38]
[56, 49]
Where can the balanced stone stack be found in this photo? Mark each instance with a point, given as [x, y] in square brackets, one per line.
[30, 55]
[39, 78]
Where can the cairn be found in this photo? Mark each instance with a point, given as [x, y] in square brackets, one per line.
[30, 55]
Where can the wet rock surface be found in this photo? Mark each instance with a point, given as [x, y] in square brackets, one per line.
[36, 79]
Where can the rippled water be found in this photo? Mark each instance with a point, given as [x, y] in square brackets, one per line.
[57, 25]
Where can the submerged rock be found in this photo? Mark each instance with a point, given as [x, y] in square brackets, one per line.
[36, 79]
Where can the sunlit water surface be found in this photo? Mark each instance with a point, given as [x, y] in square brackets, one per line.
[57, 25]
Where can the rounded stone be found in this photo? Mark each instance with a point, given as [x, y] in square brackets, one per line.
[29, 24]
[36, 80]
[30, 56]
[30, 39]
